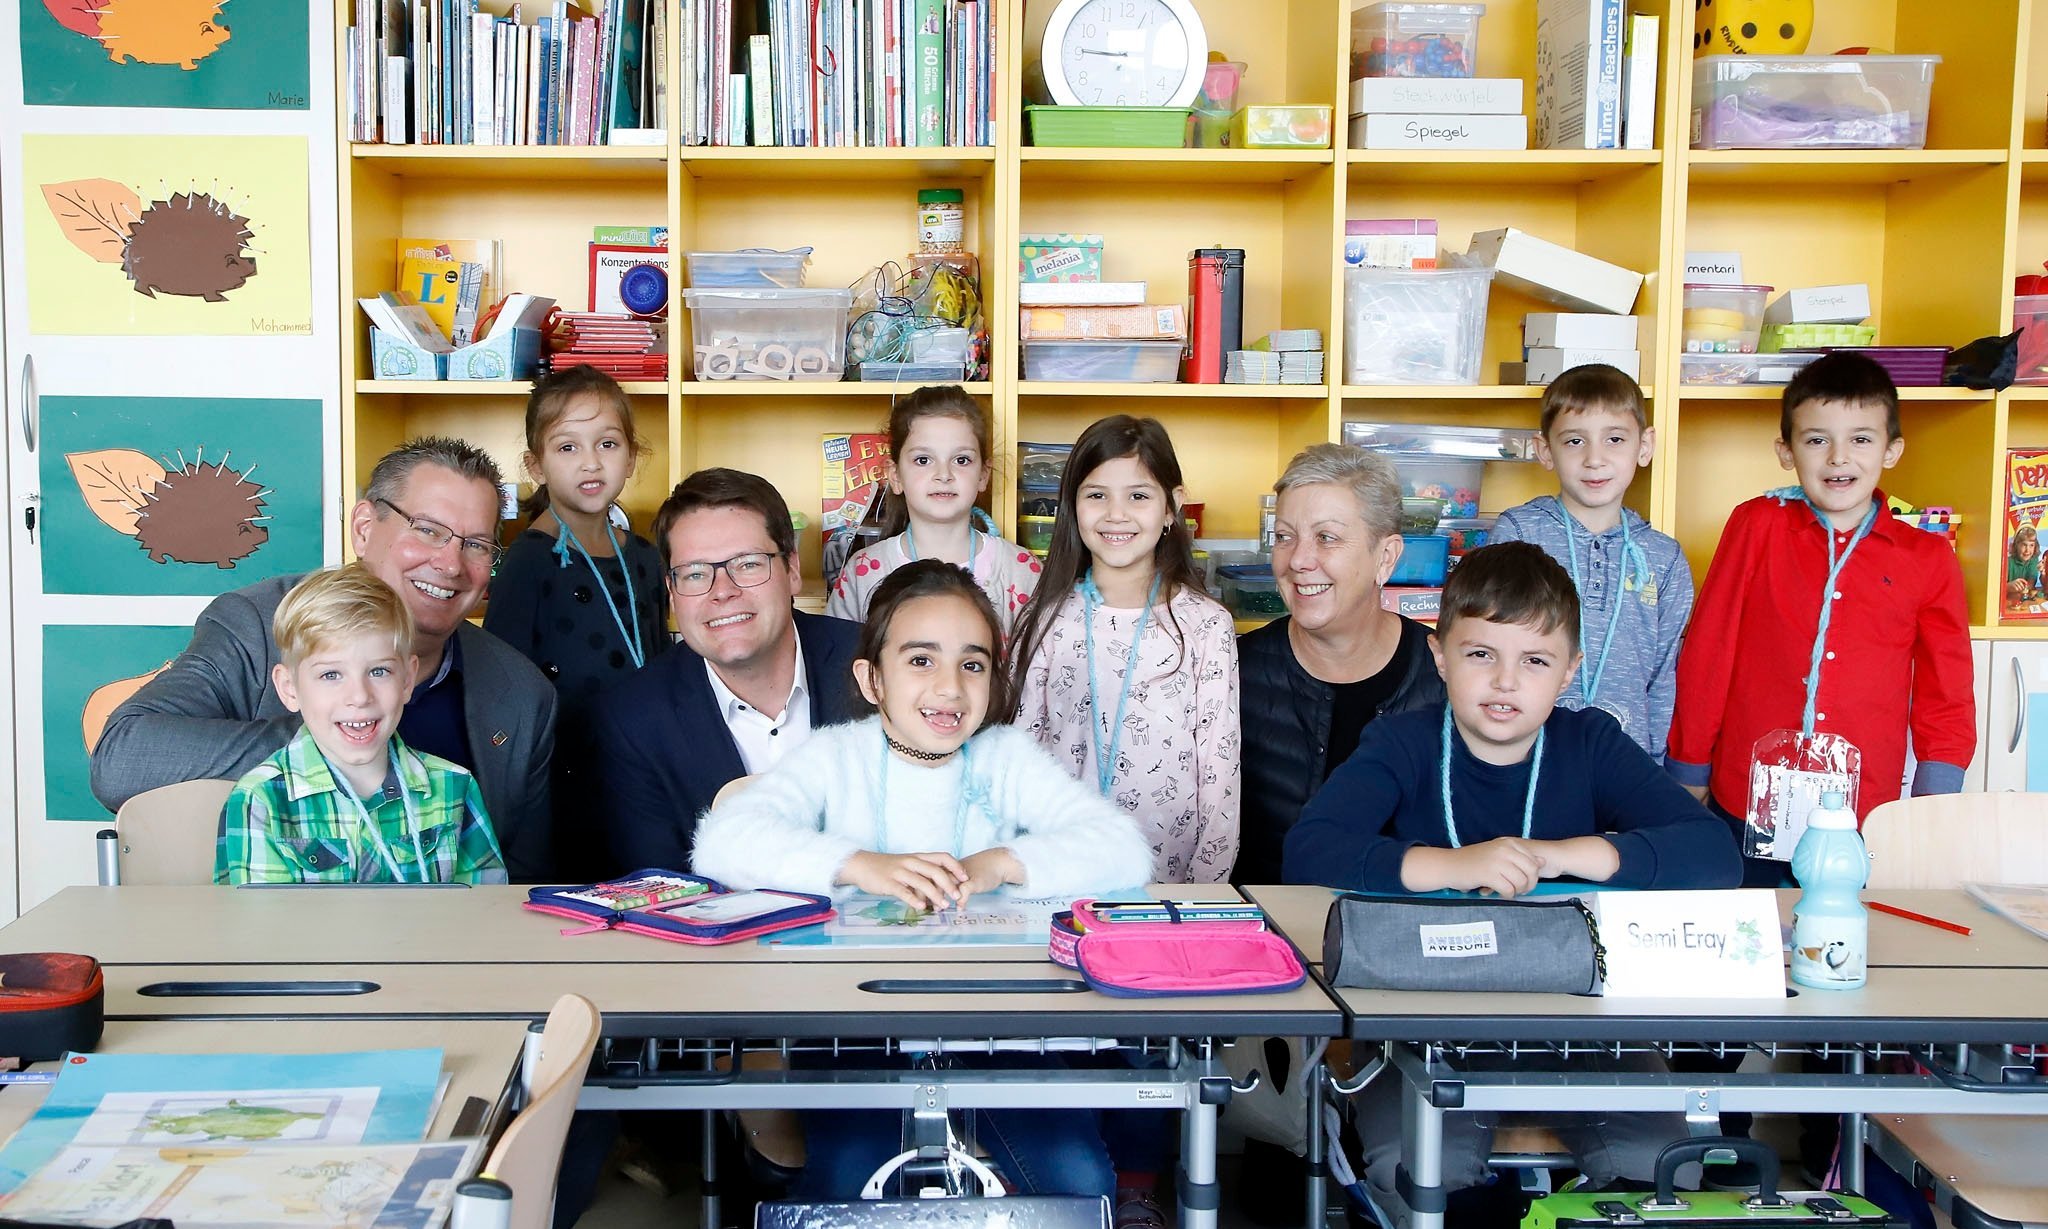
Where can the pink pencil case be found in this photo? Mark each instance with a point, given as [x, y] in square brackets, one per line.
[717, 915]
[1157, 959]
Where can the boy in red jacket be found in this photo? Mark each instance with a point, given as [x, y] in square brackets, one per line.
[1892, 654]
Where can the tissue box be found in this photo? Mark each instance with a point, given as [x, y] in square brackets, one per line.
[1059, 258]
[1555, 273]
[508, 354]
[394, 358]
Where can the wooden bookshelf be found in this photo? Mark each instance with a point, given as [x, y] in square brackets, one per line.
[1938, 233]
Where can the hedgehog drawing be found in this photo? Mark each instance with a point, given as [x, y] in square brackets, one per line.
[191, 243]
[187, 512]
[181, 32]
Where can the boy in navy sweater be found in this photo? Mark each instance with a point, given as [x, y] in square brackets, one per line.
[1496, 791]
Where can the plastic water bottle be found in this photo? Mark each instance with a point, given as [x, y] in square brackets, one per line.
[1830, 927]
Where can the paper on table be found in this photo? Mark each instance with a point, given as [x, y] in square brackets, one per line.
[992, 920]
[2023, 905]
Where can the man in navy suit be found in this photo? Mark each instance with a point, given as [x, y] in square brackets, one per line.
[751, 680]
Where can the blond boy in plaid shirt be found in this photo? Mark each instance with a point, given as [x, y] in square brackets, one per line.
[346, 801]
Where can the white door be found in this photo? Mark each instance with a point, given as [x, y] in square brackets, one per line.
[2017, 733]
[170, 315]
[1980, 660]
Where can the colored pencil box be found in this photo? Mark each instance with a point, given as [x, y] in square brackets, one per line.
[50, 1002]
[1425, 943]
[1158, 959]
[714, 914]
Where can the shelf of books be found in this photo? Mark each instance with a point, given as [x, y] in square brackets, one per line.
[819, 131]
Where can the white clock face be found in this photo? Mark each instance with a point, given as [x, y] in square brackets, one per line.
[1125, 53]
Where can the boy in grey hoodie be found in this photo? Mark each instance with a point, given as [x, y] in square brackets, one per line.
[1635, 589]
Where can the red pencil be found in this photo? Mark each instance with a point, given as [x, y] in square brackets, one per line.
[1921, 918]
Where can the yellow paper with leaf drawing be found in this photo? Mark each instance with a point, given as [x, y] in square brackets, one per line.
[167, 235]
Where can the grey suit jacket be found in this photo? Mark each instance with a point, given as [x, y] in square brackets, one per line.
[214, 713]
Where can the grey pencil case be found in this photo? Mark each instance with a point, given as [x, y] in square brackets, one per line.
[1430, 943]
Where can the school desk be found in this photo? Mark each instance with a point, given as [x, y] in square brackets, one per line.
[205, 953]
[1990, 994]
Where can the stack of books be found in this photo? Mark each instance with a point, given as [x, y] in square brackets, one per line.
[621, 346]
[1438, 113]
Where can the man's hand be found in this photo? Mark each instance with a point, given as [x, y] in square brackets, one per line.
[920, 880]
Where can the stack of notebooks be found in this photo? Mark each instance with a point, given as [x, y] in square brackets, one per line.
[1283, 356]
[621, 346]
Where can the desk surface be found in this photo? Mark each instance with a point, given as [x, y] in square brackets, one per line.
[484, 925]
[479, 1056]
[733, 1000]
[1994, 943]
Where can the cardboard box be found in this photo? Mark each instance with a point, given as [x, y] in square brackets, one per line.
[1059, 258]
[1555, 273]
[1579, 330]
[1081, 294]
[608, 265]
[1390, 243]
[513, 348]
[1713, 269]
[1578, 73]
[1848, 303]
[1439, 131]
[1436, 96]
[1151, 322]
[1547, 363]
[394, 357]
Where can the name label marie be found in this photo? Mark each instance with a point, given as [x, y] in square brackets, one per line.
[1469, 939]
[1714, 944]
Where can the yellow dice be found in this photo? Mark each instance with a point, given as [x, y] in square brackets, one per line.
[1751, 27]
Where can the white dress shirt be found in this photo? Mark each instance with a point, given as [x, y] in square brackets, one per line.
[764, 740]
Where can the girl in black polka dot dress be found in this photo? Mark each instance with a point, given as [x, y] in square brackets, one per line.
[580, 597]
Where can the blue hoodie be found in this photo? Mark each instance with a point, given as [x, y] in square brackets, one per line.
[1637, 673]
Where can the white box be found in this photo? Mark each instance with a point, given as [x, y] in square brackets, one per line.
[1439, 131]
[1547, 364]
[1579, 330]
[1436, 96]
[1639, 82]
[1081, 294]
[1554, 273]
[1714, 269]
[1845, 304]
[1578, 73]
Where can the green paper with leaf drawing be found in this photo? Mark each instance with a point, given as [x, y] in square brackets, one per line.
[167, 235]
[87, 673]
[177, 495]
[241, 54]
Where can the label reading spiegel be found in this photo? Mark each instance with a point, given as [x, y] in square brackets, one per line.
[1471, 939]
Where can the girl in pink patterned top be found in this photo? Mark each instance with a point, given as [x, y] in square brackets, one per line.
[938, 448]
[1127, 669]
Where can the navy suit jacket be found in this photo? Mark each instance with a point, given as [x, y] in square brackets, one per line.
[665, 751]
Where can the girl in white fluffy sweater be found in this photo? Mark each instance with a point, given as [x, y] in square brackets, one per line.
[935, 798]
[929, 803]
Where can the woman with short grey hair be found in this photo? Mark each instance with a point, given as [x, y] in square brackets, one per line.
[1312, 680]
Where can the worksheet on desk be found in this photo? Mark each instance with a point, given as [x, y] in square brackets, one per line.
[990, 920]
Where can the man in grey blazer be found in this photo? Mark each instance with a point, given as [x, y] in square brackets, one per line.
[428, 525]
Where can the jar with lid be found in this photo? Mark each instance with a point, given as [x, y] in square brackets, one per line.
[941, 220]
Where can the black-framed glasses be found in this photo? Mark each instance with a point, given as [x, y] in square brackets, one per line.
[436, 535]
[695, 579]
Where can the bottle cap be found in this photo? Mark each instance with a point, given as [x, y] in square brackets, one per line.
[1833, 813]
[940, 196]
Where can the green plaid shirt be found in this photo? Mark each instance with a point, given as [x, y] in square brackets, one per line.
[287, 821]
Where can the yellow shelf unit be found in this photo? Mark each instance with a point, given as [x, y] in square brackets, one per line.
[1937, 233]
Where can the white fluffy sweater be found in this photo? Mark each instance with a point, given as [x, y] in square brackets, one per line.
[796, 825]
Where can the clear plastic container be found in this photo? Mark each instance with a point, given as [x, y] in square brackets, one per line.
[769, 334]
[1039, 466]
[1723, 319]
[1451, 443]
[1220, 82]
[1415, 40]
[1414, 326]
[1120, 362]
[1034, 533]
[1811, 101]
[1250, 591]
[755, 267]
[1270, 126]
[1740, 368]
[1425, 560]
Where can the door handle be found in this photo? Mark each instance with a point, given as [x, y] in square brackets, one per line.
[2019, 706]
[28, 402]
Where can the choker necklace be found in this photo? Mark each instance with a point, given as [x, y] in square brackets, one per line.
[927, 757]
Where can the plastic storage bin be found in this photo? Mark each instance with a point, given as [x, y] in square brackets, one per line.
[1740, 368]
[1723, 319]
[1250, 592]
[755, 267]
[1425, 560]
[1220, 82]
[1414, 326]
[1034, 533]
[1420, 515]
[1415, 40]
[1040, 466]
[746, 334]
[2030, 317]
[1281, 127]
[1122, 362]
[1811, 101]
[1131, 127]
[1778, 337]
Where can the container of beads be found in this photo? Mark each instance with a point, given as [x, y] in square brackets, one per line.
[1415, 40]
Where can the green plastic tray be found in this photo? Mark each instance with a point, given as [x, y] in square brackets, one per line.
[1778, 337]
[1140, 127]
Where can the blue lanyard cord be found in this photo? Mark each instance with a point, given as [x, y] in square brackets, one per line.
[412, 821]
[1631, 556]
[970, 794]
[629, 628]
[1836, 564]
[973, 544]
[1528, 803]
[1105, 757]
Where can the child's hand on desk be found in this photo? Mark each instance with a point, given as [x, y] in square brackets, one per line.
[1592, 858]
[920, 880]
[990, 869]
[1505, 866]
